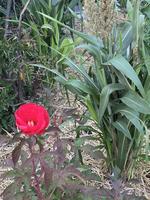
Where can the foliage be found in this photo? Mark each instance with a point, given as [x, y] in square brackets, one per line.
[145, 9]
[41, 173]
[43, 31]
[115, 89]
[18, 81]
[122, 4]
[46, 167]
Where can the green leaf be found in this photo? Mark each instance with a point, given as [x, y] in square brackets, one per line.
[63, 79]
[132, 116]
[134, 101]
[3, 10]
[67, 42]
[121, 64]
[66, 47]
[92, 49]
[91, 108]
[79, 142]
[88, 38]
[77, 84]
[127, 35]
[148, 1]
[146, 57]
[129, 9]
[146, 10]
[104, 97]
[81, 71]
[75, 67]
[47, 26]
[122, 127]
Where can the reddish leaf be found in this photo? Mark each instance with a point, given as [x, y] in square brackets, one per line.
[28, 162]
[15, 138]
[31, 141]
[24, 156]
[16, 153]
[48, 174]
[58, 152]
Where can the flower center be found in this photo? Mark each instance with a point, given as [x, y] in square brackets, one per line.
[31, 123]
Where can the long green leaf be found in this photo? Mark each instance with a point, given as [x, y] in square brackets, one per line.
[77, 84]
[122, 127]
[89, 38]
[121, 64]
[132, 116]
[104, 97]
[92, 49]
[63, 79]
[92, 110]
[3, 10]
[81, 71]
[47, 26]
[127, 36]
[78, 69]
[134, 101]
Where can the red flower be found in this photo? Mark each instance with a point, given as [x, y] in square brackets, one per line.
[32, 119]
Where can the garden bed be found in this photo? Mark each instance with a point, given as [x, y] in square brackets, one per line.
[97, 97]
[136, 188]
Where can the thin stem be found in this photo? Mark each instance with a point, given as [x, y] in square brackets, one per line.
[21, 15]
[50, 196]
[8, 10]
[37, 183]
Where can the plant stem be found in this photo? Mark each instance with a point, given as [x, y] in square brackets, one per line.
[52, 193]
[20, 18]
[9, 4]
[37, 184]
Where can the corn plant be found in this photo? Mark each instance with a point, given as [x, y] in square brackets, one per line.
[115, 89]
